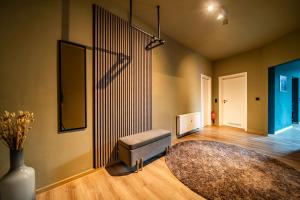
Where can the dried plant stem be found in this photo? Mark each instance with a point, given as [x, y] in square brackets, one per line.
[15, 128]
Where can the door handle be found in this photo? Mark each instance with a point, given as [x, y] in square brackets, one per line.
[225, 101]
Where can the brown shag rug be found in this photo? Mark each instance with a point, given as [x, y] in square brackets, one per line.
[216, 170]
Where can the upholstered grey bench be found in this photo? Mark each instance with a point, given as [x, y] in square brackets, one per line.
[135, 149]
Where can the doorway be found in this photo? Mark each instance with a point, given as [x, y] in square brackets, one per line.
[283, 97]
[233, 100]
[295, 100]
[205, 100]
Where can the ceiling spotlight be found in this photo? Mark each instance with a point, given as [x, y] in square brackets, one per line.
[210, 8]
[220, 16]
[217, 10]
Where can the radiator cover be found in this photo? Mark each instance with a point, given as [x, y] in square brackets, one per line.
[187, 123]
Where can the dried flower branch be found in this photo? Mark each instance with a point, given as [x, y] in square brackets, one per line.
[14, 128]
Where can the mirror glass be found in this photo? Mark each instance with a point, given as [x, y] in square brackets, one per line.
[72, 86]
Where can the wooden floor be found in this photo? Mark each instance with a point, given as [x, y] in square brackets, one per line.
[157, 182]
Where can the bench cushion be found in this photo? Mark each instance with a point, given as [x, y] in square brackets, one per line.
[140, 139]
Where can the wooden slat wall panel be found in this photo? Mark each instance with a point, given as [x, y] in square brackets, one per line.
[122, 83]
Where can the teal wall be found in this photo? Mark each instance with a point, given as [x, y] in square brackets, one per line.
[280, 103]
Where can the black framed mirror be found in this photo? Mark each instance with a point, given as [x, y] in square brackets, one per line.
[72, 86]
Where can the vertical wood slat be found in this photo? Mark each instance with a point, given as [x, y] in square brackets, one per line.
[122, 83]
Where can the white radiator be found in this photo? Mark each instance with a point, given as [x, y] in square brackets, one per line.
[188, 123]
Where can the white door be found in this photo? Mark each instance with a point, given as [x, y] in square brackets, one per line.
[234, 100]
[206, 100]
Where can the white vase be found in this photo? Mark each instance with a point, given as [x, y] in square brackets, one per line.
[19, 182]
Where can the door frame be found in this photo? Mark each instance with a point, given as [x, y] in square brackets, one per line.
[209, 99]
[297, 99]
[221, 79]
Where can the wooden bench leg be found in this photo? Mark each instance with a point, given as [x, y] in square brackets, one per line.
[167, 149]
[137, 166]
[142, 163]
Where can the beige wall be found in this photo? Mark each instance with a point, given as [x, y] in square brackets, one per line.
[29, 35]
[176, 83]
[28, 59]
[256, 63]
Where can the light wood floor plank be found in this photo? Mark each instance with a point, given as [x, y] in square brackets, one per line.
[157, 182]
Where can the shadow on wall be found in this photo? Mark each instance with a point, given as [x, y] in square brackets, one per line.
[284, 98]
[122, 61]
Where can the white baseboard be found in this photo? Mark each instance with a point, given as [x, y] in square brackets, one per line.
[282, 130]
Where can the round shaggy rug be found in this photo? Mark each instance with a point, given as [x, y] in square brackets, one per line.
[216, 170]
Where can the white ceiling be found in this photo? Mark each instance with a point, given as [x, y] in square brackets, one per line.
[252, 23]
